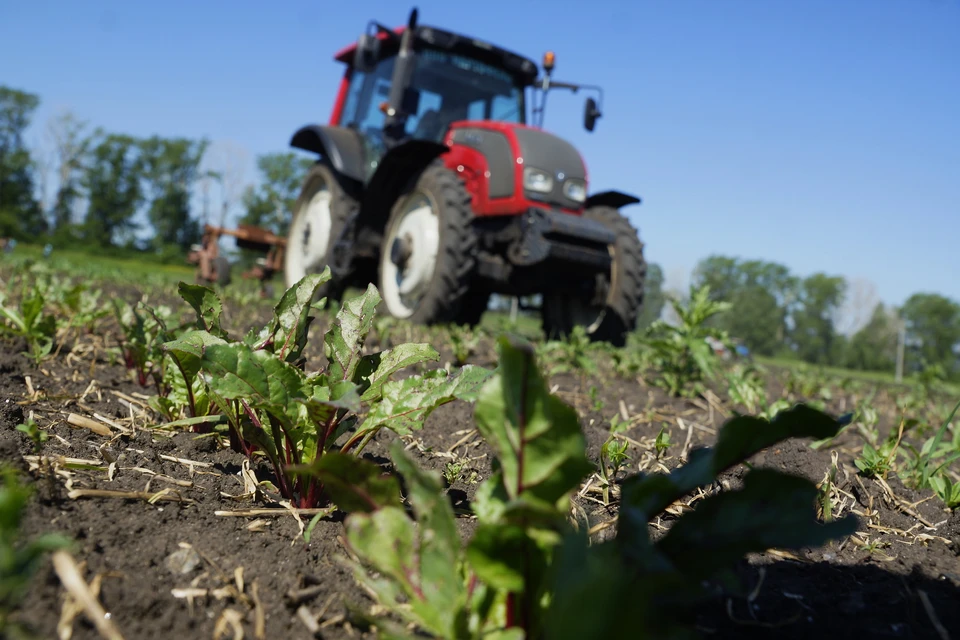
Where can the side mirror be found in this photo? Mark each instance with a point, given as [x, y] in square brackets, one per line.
[590, 114]
[367, 52]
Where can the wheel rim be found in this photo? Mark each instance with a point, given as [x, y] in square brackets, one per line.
[309, 237]
[409, 256]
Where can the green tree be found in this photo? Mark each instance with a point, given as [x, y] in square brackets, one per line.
[271, 204]
[756, 318]
[874, 346]
[934, 322]
[814, 333]
[170, 169]
[760, 294]
[721, 273]
[112, 181]
[653, 298]
[20, 214]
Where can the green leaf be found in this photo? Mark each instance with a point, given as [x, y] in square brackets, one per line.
[773, 510]
[419, 566]
[926, 469]
[188, 350]
[207, 305]
[326, 401]
[521, 420]
[374, 370]
[235, 371]
[514, 633]
[498, 554]
[490, 501]
[344, 341]
[352, 483]
[741, 437]
[405, 404]
[440, 550]
[430, 504]
[588, 586]
[385, 539]
[292, 316]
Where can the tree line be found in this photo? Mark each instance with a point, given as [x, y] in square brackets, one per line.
[777, 313]
[118, 193]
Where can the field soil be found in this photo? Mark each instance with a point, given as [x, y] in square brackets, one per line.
[190, 564]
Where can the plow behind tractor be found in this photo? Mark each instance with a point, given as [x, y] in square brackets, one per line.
[212, 267]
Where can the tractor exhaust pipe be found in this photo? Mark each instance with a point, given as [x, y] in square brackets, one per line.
[398, 107]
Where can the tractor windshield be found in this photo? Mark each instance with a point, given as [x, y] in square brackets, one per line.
[450, 87]
[453, 87]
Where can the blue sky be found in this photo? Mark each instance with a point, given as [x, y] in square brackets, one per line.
[821, 134]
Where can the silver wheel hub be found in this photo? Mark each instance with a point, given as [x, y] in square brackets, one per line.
[407, 265]
[309, 237]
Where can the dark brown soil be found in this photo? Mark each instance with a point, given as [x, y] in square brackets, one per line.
[893, 579]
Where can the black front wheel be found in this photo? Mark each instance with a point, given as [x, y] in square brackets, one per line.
[611, 313]
[320, 231]
[428, 252]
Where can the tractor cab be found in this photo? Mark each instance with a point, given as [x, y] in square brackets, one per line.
[445, 87]
[415, 82]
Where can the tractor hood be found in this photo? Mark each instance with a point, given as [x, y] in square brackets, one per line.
[553, 170]
[528, 162]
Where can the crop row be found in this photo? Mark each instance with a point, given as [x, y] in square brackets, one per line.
[530, 569]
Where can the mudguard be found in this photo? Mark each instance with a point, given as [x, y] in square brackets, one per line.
[396, 169]
[341, 146]
[613, 199]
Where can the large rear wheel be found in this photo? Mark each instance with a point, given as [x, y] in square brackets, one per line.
[428, 252]
[321, 232]
[610, 314]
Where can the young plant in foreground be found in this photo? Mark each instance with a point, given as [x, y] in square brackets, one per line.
[19, 560]
[552, 581]
[681, 352]
[143, 332]
[463, 343]
[30, 321]
[274, 407]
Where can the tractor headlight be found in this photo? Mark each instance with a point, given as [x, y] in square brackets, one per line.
[537, 180]
[575, 189]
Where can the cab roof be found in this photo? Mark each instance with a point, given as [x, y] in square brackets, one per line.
[523, 69]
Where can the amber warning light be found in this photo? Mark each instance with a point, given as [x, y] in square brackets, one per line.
[548, 61]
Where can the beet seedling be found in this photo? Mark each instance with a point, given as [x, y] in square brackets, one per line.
[30, 321]
[681, 352]
[144, 331]
[19, 558]
[297, 419]
[526, 560]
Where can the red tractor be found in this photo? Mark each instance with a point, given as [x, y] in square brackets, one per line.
[431, 184]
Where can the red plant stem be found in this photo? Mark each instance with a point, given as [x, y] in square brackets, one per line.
[328, 428]
[351, 443]
[314, 492]
[511, 610]
[471, 586]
